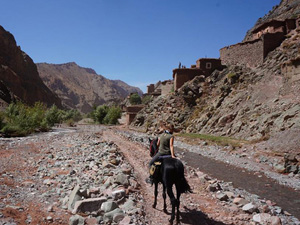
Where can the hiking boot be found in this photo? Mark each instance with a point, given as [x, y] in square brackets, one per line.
[149, 180]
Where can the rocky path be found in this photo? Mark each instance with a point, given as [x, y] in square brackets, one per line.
[96, 175]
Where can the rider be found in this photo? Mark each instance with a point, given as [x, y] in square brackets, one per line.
[166, 146]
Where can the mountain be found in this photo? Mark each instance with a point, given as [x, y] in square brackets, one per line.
[19, 78]
[259, 103]
[82, 88]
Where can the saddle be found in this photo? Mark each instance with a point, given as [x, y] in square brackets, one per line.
[155, 167]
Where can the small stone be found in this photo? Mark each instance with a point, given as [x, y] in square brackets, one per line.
[49, 218]
[262, 218]
[76, 220]
[118, 194]
[240, 201]
[250, 208]
[275, 220]
[222, 197]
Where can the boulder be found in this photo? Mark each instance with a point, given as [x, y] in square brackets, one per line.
[89, 205]
[74, 197]
[250, 208]
[109, 206]
[114, 214]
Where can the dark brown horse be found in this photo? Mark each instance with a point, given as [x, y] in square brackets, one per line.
[171, 172]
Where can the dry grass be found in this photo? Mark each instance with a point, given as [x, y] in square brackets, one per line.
[219, 140]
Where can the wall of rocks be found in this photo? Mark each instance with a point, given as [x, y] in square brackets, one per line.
[250, 53]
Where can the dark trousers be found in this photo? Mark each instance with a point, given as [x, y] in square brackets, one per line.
[155, 158]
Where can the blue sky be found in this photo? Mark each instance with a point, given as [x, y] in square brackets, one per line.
[137, 41]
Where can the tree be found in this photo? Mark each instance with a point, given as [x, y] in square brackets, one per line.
[135, 99]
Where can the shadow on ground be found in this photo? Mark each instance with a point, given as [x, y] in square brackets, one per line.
[196, 217]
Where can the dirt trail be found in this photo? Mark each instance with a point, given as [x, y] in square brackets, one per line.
[196, 208]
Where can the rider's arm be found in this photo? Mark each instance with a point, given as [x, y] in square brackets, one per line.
[172, 147]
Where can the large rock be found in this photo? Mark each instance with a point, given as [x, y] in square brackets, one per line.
[109, 206]
[250, 208]
[116, 215]
[74, 197]
[89, 205]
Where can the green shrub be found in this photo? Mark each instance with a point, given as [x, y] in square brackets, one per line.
[53, 116]
[112, 116]
[135, 99]
[22, 120]
[100, 113]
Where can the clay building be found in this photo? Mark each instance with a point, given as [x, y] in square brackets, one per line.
[204, 66]
[131, 112]
[274, 26]
[150, 88]
[160, 88]
[208, 65]
[251, 53]
[166, 87]
[265, 38]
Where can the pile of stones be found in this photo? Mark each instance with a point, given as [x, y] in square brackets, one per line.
[92, 180]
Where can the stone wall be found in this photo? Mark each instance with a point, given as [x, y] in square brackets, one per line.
[251, 53]
[248, 53]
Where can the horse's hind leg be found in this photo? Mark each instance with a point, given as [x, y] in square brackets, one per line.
[164, 197]
[173, 202]
[178, 205]
[155, 195]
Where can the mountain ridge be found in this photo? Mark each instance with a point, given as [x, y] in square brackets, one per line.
[71, 82]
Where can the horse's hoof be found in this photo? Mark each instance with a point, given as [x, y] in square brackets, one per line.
[170, 222]
[154, 206]
[165, 211]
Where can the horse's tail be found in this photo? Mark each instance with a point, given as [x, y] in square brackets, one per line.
[182, 184]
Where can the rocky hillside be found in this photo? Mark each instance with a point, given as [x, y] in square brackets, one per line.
[19, 78]
[81, 88]
[287, 9]
[255, 104]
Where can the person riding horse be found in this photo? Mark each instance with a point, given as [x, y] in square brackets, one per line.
[166, 147]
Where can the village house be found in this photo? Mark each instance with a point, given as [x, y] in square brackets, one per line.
[274, 26]
[131, 112]
[265, 39]
[204, 66]
[160, 88]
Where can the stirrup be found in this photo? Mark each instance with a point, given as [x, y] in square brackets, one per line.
[149, 180]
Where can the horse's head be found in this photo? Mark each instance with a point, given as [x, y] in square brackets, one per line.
[153, 146]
